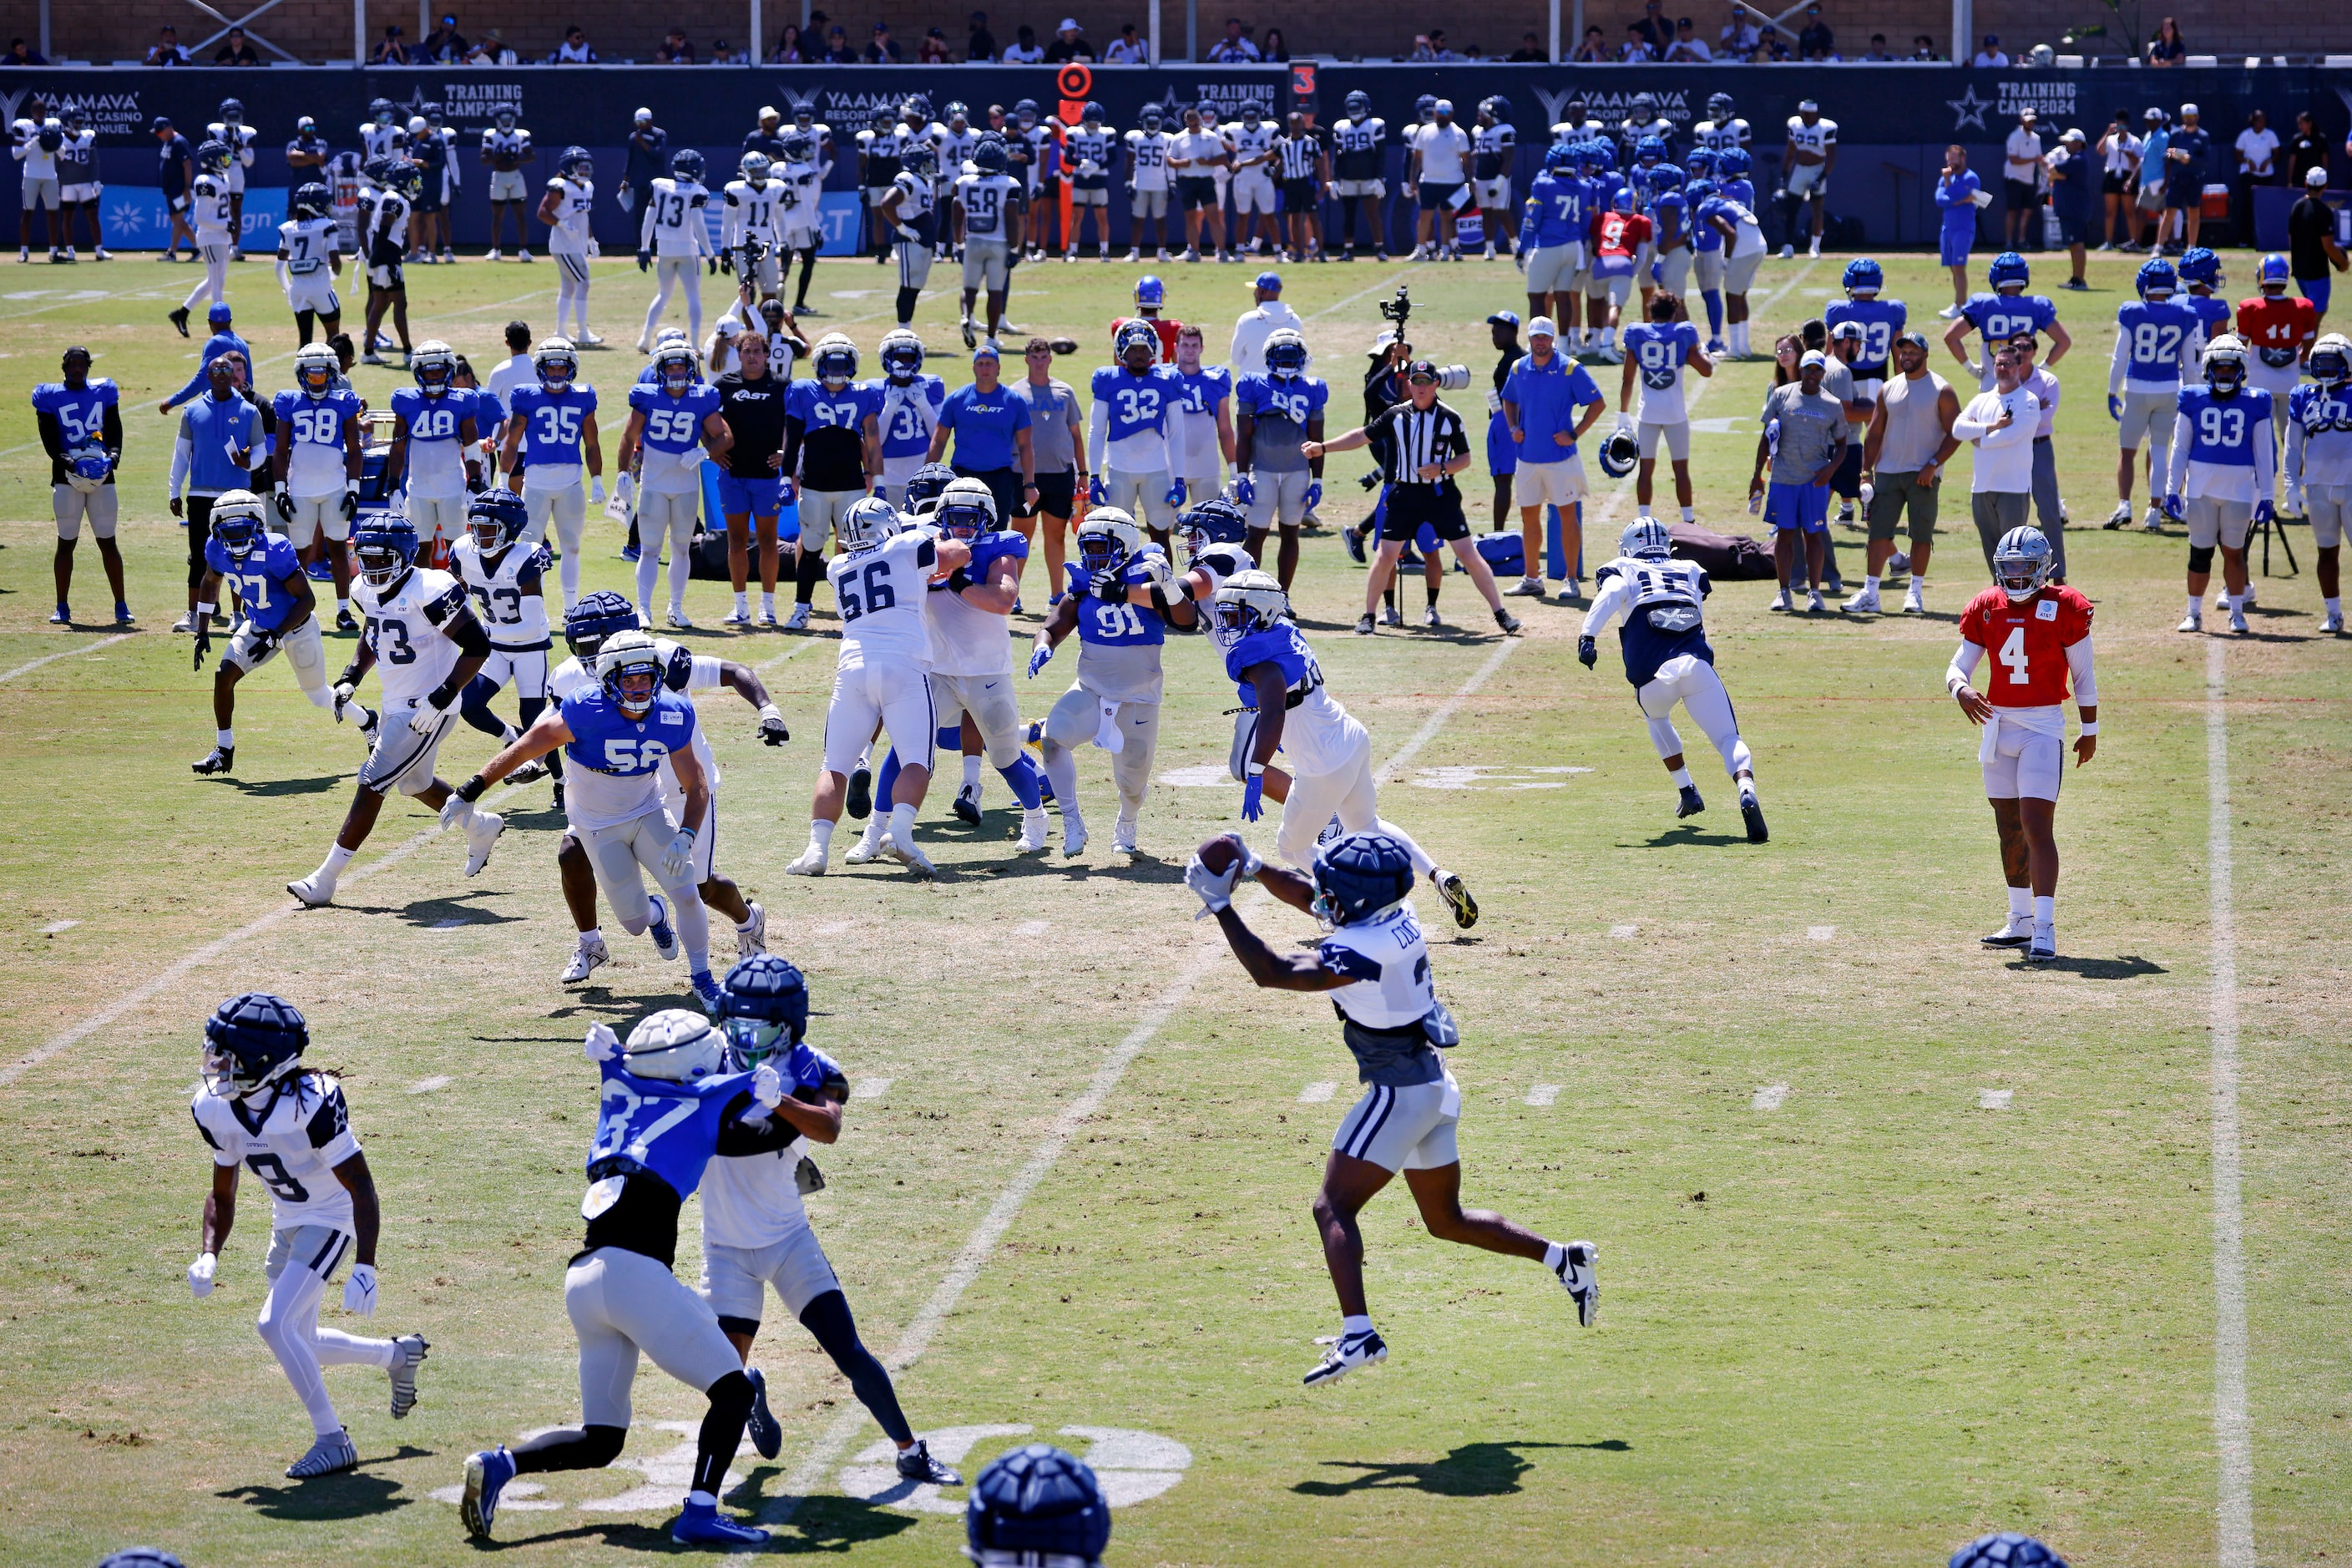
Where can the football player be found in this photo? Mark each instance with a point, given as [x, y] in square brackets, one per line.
[1882, 322]
[315, 462]
[434, 458]
[1150, 300]
[1659, 350]
[1200, 436]
[2279, 328]
[1551, 247]
[1131, 431]
[1355, 176]
[1495, 149]
[1147, 180]
[2154, 350]
[1114, 597]
[1668, 660]
[310, 259]
[2040, 635]
[800, 219]
[910, 214]
[1811, 155]
[1373, 963]
[564, 208]
[755, 1225]
[211, 213]
[832, 455]
[1722, 128]
[259, 1106]
[667, 1107]
[1252, 138]
[1285, 708]
[673, 231]
[2009, 311]
[505, 580]
[2319, 461]
[671, 424]
[1089, 151]
[550, 431]
[750, 214]
[384, 245]
[506, 148]
[988, 203]
[80, 423]
[1275, 415]
[278, 613]
[2222, 476]
[424, 645]
[1730, 209]
[911, 401]
[879, 581]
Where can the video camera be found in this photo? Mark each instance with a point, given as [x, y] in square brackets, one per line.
[1399, 311]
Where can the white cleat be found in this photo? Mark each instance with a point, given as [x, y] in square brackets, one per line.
[590, 954]
[904, 851]
[2015, 934]
[1033, 832]
[2043, 948]
[411, 1349]
[2119, 518]
[1915, 602]
[1348, 1353]
[481, 836]
[752, 938]
[315, 891]
[328, 1455]
[810, 864]
[2190, 624]
[679, 618]
[1813, 603]
[1780, 600]
[1863, 604]
[1122, 836]
[1074, 835]
[798, 620]
[735, 618]
[867, 849]
[1579, 1276]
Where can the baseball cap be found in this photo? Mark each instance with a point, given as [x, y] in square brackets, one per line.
[1813, 359]
[2187, 110]
[2154, 116]
[1541, 327]
[1916, 339]
[1421, 370]
[643, 115]
[2028, 114]
[1269, 281]
[219, 313]
[1504, 319]
[161, 122]
[1846, 330]
[1444, 106]
[2074, 135]
[987, 349]
[1067, 24]
[2317, 179]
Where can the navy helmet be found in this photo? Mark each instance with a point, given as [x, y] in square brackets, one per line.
[1719, 107]
[1358, 105]
[251, 1041]
[929, 483]
[312, 200]
[385, 547]
[1037, 1504]
[918, 157]
[1216, 521]
[685, 163]
[496, 517]
[1360, 875]
[212, 157]
[575, 162]
[1497, 109]
[763, 1008]
[593, 619]
[1092, 114]
[989, 156]
[1150, 117]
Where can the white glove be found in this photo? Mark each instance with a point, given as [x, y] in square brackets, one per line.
[1215, 888]
[426, 719]
[200, 1275]
[359, 1291]
[344, 692]
[399, 502]
[678, 860]
[602, 1044]
[456, 810]
[768, 1086]
[1624, 423]
[596, 490]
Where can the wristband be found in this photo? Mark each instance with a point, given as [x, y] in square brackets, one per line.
[958, 581]
[1255, 768]
[686, 832]
[471, 790]
[351, 675]
[204, 611]
[441, 697]
[2090, 727]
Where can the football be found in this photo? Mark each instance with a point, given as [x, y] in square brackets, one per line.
[1063, 345]
[1220, 853]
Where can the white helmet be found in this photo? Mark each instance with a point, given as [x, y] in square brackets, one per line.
[869, 521]
[315, 370]
[676, 1047]
[2224, 363]
[1286, 353]
[435, 359]
[1647, 540]
[1107, 540]
[624, 654]
[1247, 602]
[901, 355]
[240, 520]
[2330, 362]
[554, 353]
[966, 510]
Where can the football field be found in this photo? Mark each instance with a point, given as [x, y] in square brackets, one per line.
[1901, 1240]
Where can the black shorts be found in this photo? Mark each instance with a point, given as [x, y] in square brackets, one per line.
[1437, 195]
[1056, 493]
[1196, 191]
[2021, 194]
[428, 200]
[1847, 481]
[2114, 184]
[1409, 506]
[1004, 484]
[1301, 196]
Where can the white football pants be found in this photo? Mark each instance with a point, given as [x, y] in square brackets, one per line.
[1692, 681]
[672, 270]
[301, 1262]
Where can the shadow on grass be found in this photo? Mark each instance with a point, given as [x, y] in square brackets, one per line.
[353, 1494]
[1686, 834]
[2126, 966]
[274, 788]
[1474, 1469]
[448, 913]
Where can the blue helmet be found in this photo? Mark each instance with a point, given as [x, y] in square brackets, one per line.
[90, 461]
[2156, 279]
[496, 517]
[1721, 108]
[1733, 162]
[385, 547]
[2007, 271]
[1863, 275]
[593, 619]
[989, 157]
[685, 163]
[1357, 106]
[1215, 521]
[1360, 875]
[1150, 117]
[1600, 156]
[2007, 1549]
[251, 1041]
[763, 1008]
[575, 162]
[2273, 270]
[1150, 291]
[1135, 334]
[1650, 147]
[1624, 201]
[1700, 161]
[1037, 1504]
[2202, 265]
[140, 1557]
[1699, 192]
[1425, 107]
[1559, 155]
[930, 482]
[1665, 177]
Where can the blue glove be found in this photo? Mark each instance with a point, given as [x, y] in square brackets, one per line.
[2114, 408]
[645, 260]
[2265, 511]
[788, 494]
[2173, 507]
[1253, 798]
[1176, 494]
[881, 490]
[1314, 494]
[1037, 659]
[1245, 490]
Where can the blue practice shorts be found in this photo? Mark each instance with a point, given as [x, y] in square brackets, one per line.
[1804, 508]
[756, 497]
[1957, 241]
[2316, 290]
[1503, 456]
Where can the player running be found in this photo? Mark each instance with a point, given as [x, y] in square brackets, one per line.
[2222, 476]
[279, 613]
[1668, 660]
[1374, 965]
[2319, 461]
[259, 1106]
[2040, 635]
[1114, 595]
[310, 260]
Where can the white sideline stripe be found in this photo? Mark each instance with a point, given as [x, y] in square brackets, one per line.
[1821, 933]
[1994, 1099]
[1770, 1097]
[426, 1086]
[1316, 1093]
[1031, 928]
[2234, 1507]
[106, 1017]
[925, 1325]
[1543, 1094]
[52, 659]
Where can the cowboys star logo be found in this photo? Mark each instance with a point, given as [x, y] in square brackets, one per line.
[1969, 109]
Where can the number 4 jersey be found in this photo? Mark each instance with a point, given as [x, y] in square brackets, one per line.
[293, 1143]
[2028, 642]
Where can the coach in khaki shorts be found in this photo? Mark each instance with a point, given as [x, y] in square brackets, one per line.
[1904, 451]
[1541, 399]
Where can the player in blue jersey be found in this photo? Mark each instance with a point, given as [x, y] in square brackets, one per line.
[1657, 352]
[1551, 249]
[2156, 337]
[667, 1107]
[1882, 322]
[315, 462]
[2202, 282]
[434, 464]
[1131, 431]
[670, 426]
[1960, 193]
[80, 422]
[1372, 961]
[907, 413]
[1276, 413]
[1668, 660]
[2319, 461]
[833, 447]
[1669, 212]
[278, 615]
[2009, 311]
[1707, 266]
[2222, 476]
[550, 436]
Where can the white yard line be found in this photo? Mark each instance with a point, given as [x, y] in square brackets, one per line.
[52, 659]
[1385, 286]
[2234, 1507]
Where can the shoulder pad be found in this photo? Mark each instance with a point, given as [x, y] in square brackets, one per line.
[678, 667]
[1338, 958]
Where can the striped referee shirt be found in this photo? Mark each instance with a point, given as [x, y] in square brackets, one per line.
[1409, 439]
[1298, 156]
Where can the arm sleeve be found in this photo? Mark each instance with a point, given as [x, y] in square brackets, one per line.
[2265, 458]
[2177, 471]
[1606, 605]
[2294, 451]
[2078, 664]
[1963, 668]
[1098, 423]
[646, 227]
[705, 673]
[182, 451]
[2118, 364]
[53, 435]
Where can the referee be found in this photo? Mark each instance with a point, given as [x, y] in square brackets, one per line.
[1421, 444]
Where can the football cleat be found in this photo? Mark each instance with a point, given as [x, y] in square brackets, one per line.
[1074, 834]
[767, 1433]
[481, 836]
[2192, 623]
[1508, 622]
[2119, 518]
[735, 618]
[1752, 815]
[411, 1349]
[221, 761]
[916, 1463]
[861, 792]
[1348, 1353]
[1122, 836]
[2043, 948]
[344, 622]
[869, 848]
[905, 852]
[706, 991]
[1033, 833]
[678, 618]
[1364, 624]
[314, 890]
[1355, 543]
[1690, 804]
[1456, 894]
[699, 1525]
[179, 318]
[967, 805]
[486, 1475]
[2016, 933]
[586, 959]
[665, 935]
[327, 1457]
[750, 941]
[1579, 1276]
[798, 620]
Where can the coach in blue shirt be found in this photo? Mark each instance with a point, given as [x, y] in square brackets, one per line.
[223, 341]
[1541, 398]
[202, 467]
[175, 166]
[992, 438]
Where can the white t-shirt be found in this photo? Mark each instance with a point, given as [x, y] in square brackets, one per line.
[2023, 154]
[1191, 151]
[1443, 149]
[505, 376]
[2004, 462]
[2258, 148]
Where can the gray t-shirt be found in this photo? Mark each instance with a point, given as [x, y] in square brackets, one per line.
[1053, 423]
[1809, 431]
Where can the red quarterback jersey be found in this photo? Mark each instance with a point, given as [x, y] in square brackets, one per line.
[1620, 234]
[2276, 327]
[2028, 642]
[1159, 324]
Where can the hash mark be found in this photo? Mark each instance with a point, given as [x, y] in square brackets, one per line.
[1543, 1094]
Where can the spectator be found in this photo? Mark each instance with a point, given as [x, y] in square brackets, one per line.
[1773, 49]
[1069, 44]
[1127, 49]
[1689, 48]
[1923, 48]
[769, 138]
[575, 49]
[1816, 42]
[1275, 48]
[2190, 152]
[2021, 173]
[1529, 52]
[2154, 169]
[837, 51]
[1235, 49]
[390, 51]
[723, 53]
[443, 46]
[1656, 31]
[1878, 55]
[1594, 50]
[674, 50]
[2119, 170]
[167, 50]
[2167, 47]
[646, 159]
[2307, 151]
[1024, 50]
[1739, 37]
[981, 45]
[789, 50]
[884, 50]
[1439, 46]
[173, 169]
[1989, 57]
[2310, 247]
[491, 51]
[2258, 147]
[1423, 51]
[234, 52]
[1469, 51]
[20, 53]
[932, 49]
[1636, 47]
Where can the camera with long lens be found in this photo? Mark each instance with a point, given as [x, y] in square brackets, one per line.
[1453, 377]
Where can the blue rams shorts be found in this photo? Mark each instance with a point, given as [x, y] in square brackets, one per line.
[1804, 507]
[1503, 456]
[2314, 290]
[755, 496]
[1957, 241]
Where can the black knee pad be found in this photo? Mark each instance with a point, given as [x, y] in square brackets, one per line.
[601, 1445]
[747, 1327]
[2200, 561]
[730, 1396]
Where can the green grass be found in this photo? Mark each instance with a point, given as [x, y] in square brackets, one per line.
[1860, 1327]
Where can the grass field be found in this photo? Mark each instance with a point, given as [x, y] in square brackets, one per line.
[1902, 1242]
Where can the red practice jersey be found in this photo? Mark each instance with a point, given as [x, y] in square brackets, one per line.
[1620, 234]
[2028, 642]
[2277, 326]
[1159, 324]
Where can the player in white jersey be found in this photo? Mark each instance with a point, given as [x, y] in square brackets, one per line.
[749, 211]
[906, 207]
[310, 260]
[211, 216]
[424, 645]
[1493, 147]
[381, 134]
[800, 213]
[879, 580]
[878, 149]
[1089, 156]
[2319, 461]
[231, 132]
[672, 230]
[383, 250]
[1252, 138]
[1722, 128]
[260, 1108]
[1147, 180]
[564, 209]
[1811, 155]
[506, 148]
[989, 207]
[504, 578]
